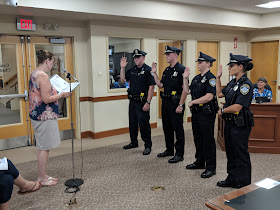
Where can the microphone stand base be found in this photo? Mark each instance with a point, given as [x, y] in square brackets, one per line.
[73, 183]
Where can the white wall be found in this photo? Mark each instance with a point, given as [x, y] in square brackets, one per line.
[154, 10]
[91, 62]
[106, 117]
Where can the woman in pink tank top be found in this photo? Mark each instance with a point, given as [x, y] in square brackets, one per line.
[43, 111]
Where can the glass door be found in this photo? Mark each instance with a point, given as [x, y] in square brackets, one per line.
[14, 122]
[17, 61]
[63, 60]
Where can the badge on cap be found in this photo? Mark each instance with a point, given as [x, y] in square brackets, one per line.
[203, 79]
[244, 89]
[235, 87]
[212, 82]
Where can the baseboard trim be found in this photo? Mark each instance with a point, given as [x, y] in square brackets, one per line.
[103, 134]
[106, 98]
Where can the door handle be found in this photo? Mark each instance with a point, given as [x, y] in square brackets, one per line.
[25, 95]
[274, 81]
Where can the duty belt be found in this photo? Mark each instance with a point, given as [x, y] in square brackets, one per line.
[229, 117]
[197, 107]
[138, 98]
[168, 96]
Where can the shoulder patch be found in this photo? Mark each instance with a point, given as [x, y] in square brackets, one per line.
[212, 82]
[244, 89]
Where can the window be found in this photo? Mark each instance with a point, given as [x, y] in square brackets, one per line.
[119, 47]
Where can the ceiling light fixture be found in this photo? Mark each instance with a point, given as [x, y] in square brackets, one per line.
[270, 5]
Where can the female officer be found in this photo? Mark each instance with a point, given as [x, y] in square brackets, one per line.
[204, 108]
[238, 121]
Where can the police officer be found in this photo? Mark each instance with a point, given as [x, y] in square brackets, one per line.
[140, 94]
[238, 121]
[173, 99]
[204, 107]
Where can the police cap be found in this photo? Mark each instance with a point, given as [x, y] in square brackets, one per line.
[238, 59]
[204, 57]
[169, 49]
[138, 53]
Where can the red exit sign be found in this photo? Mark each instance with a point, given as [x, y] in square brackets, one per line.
[26, 24]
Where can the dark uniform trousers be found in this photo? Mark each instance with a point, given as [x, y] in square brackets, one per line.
[139, 117]
[238, 165]
[203, 132]
[171, 121]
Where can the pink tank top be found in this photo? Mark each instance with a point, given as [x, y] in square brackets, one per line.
[38, 110]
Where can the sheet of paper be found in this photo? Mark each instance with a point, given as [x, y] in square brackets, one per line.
[3, 164]
[61, 85]
[73, 86]
[267, 183]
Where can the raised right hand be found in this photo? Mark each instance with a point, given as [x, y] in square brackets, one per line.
[123, 62]
[154, 67]
[220, 71]
[186, 73]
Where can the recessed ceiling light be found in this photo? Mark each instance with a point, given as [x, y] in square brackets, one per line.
[270, 5]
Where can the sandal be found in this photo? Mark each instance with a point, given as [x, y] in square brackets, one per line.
[49, 183]
[31, 190]
[52, 178]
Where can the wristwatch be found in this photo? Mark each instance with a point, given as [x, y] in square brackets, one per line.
[222, 110]
[181, 105]
[148, 102]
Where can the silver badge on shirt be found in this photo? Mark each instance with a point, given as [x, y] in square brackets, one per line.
[142, 72]
[175, 74]
[203, 79]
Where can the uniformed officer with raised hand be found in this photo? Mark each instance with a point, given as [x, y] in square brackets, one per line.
[173, 100]
[204, 107]
[140, 94]
[238, 121]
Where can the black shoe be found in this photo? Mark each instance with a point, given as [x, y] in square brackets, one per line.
[165, 154]
[229, 184]
[208, 174]
[175, 159]
[130, 146]
[195, 166]
[147, 151]
[224, 184]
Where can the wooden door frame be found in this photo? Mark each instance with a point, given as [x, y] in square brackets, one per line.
[218, 53]
[64, 123]
[249, 49]
[21, 127]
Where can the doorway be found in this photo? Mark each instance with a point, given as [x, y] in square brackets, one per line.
[265, 60]
[211, 49]
[17, 60]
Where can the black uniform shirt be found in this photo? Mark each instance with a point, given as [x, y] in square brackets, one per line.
[241, 90]
[172, 79]
[140, 79]
[203, 84]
